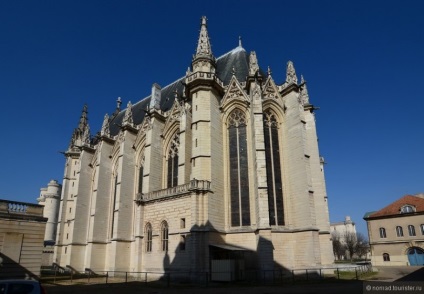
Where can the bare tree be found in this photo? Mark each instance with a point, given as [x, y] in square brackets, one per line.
[339, 248]
[356, 244]
[362, 245]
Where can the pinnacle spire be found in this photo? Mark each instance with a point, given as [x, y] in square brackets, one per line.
[253, 63]
[203, 60]
[83, 119]
[203, 45]
[304, 95]
[105, 126]
[128, 116]
[81, 135]
[291, 73]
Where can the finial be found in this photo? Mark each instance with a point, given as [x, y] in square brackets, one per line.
[253, 63]
[128, 117]
[233, 71]
[291, 73]
[302, 80]
[304, 95]
[269, 71]
[118, 103]
[204, 19]
[105, 126]
[240, 42]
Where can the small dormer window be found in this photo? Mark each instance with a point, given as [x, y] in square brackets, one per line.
[407, 209]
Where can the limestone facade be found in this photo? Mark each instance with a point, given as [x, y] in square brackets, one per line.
[22, 228]
[229, 162]
[50, 199]
[342, 228]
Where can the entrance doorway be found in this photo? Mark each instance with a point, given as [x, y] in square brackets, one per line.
[415, 256]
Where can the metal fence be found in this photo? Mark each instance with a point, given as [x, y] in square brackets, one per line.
[205, 279]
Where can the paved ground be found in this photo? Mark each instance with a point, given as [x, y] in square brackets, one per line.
[400, 273]
[385, 274]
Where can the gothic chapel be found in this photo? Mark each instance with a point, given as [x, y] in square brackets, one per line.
[221, 164]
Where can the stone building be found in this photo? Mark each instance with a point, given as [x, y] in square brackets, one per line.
[222, 164]
[50, 200]
[22, 228]
[339, 231]
[346, 226]
[396, 232]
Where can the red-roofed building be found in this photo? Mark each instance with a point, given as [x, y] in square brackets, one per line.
[396, 232]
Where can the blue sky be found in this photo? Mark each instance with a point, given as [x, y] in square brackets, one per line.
[363, 61]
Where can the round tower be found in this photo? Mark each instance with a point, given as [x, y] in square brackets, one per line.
[50, 199]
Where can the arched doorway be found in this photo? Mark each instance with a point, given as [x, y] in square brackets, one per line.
[415, 256]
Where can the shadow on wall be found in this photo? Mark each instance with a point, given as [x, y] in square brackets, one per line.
[10, 269]
[204, 254]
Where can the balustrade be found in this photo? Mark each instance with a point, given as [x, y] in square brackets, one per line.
[193, 185]
[14, 207]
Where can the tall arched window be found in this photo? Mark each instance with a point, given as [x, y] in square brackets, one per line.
[172, 162]
[382, 233]
[140, 176]
[399, 231]
[411, 230]
[164, 236]
[148, 236]
[239, 169]
[273, 170]
[114, 204]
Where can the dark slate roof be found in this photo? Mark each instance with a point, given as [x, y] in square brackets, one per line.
[237, 58]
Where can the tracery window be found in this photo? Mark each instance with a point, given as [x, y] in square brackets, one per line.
[273, 170]
[172, 162]
[149, 237]
[382, 233]
[411, 230]
[399, 231]
[239, 169]
[164, 236]
[140, 176]
[114, 204]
